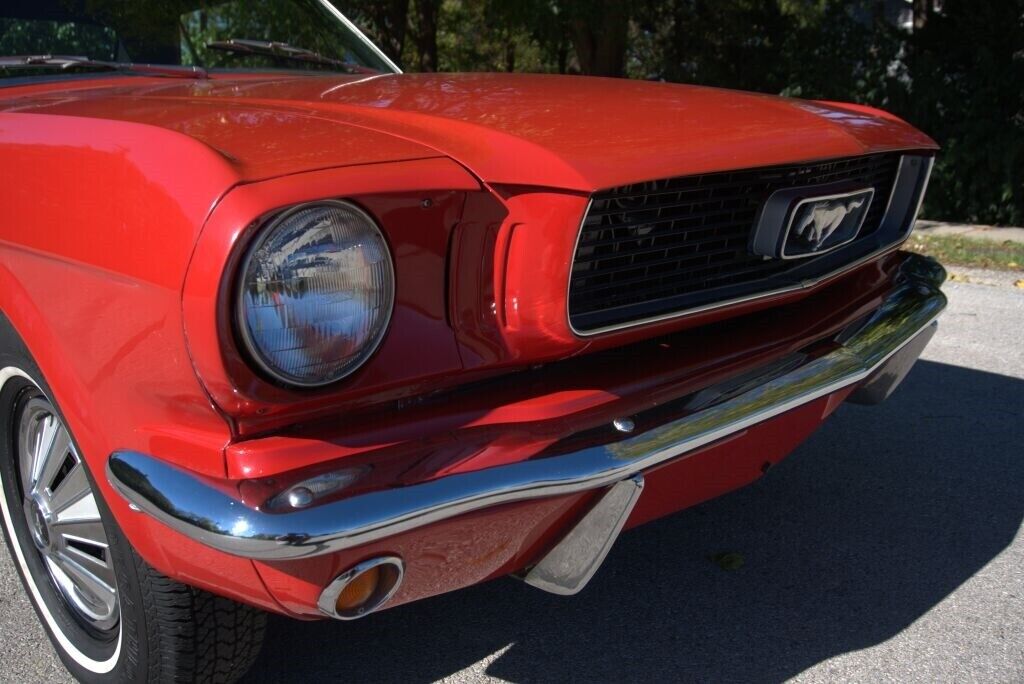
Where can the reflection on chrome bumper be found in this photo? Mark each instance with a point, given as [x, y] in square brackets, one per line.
[206, 512]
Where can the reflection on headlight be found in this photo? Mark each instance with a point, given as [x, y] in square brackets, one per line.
[316, 293]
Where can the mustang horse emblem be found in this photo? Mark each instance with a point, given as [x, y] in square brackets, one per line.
[823, 220]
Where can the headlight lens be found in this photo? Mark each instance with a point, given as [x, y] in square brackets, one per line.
[317, 290]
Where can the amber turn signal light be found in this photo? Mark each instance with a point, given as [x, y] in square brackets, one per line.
[362, 589]
[359, 591]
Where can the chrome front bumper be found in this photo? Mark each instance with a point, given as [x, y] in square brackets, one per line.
[205, 510]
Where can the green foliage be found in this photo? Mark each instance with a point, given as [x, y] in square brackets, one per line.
[180, 31]
[482, 37]
[967, 91]
[959, 75]
[19, 37]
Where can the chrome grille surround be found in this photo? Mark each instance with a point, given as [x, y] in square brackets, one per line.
[687, 239]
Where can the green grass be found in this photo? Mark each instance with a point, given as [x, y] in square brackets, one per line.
[954, 250]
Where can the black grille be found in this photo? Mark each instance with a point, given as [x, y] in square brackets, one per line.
[662, 246]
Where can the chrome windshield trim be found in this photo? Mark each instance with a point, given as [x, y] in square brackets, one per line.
[208, 511]
[360, 35]
[796, 287]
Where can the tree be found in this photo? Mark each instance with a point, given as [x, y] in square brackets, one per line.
[426, 13]
[388, 23]
[965, 88]
[921, 9]
[528, 23]
[598, 29]
[958, 75]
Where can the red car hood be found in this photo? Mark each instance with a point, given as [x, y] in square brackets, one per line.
[557, 131]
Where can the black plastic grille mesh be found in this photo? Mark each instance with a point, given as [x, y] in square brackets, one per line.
[663, 239]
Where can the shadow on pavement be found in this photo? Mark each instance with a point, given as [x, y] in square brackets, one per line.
[876, 519]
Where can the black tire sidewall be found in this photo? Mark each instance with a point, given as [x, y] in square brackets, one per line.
[131, 662]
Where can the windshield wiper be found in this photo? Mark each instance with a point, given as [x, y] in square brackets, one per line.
[65, 62]
[283, 51]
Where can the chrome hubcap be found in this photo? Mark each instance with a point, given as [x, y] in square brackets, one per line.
[63, 519]
[38, 524]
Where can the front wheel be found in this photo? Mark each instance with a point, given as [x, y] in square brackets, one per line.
[110, 616]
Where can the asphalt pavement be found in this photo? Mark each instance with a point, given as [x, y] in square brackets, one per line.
[887, 548]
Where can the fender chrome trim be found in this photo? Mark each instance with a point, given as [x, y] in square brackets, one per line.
[211, 512]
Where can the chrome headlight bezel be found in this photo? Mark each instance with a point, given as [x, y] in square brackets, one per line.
[256, 357]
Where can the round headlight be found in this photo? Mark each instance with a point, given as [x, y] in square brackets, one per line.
[317, 288]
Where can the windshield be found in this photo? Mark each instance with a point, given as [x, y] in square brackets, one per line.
[237, 35]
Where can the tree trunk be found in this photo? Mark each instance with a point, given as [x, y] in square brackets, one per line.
[426, 33]
[921, 9]
[599, 38]
[392, 18]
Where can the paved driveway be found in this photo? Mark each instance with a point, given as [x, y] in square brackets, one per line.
[888, 547]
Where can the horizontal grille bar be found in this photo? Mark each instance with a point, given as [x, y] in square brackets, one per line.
[683, 238]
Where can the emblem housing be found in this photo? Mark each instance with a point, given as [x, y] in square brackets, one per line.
[809, 221]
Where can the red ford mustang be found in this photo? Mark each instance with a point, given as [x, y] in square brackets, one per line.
[286, 330]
